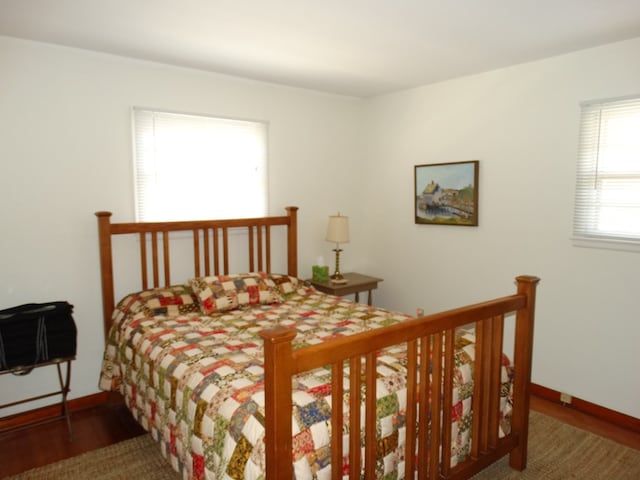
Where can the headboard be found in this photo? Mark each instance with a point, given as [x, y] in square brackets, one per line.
[210, 248]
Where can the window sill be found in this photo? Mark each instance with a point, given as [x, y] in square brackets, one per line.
[607, 244]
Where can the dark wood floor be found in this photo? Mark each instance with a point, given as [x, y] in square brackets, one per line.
[92, 428]
[103, 425]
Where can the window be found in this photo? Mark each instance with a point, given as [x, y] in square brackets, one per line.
[607, 203]
[193, 167]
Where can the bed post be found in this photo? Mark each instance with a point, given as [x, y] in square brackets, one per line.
[522, 360]
[106, 268]
[278, 402]
[292, 241]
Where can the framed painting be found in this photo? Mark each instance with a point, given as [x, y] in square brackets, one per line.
[447, 193]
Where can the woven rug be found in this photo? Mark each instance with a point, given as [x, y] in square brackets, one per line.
[556, 452]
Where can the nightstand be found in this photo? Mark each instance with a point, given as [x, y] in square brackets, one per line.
[356, 283]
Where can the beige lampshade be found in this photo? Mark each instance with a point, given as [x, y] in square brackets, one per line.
[338, 229]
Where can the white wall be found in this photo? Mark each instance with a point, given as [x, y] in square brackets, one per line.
[65, 152]
[522, 124]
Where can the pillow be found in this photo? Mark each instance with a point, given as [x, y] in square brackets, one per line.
[285, 283]
[169, 301]
[221, 293]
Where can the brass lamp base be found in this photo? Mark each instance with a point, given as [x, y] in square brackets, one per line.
[337, 276]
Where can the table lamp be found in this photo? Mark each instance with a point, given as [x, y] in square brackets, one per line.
[338, 232]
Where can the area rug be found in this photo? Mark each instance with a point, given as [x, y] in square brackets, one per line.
[557, 451]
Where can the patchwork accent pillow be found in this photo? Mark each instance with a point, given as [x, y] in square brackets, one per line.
[221, 293]
[285, 283]
[168, 301]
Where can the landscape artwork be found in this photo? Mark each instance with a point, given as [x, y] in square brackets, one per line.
[447, 193]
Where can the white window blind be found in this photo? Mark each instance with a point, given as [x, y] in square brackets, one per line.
[193, 167]
[607, 203]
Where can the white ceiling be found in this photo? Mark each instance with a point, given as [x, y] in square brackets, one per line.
[351, 47]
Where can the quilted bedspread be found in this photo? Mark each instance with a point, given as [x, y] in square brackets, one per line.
[195, 382]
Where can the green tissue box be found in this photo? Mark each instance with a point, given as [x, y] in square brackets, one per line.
[320, 274]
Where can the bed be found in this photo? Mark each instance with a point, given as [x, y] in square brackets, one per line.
[258, 375]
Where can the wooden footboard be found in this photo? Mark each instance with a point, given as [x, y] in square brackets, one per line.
[428, 422]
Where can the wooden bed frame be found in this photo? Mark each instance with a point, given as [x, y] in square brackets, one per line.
[428, 419]
[210, 243]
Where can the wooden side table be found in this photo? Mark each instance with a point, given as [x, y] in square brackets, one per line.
[356, 283]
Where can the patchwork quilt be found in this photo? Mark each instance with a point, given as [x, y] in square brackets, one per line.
[195, 380]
